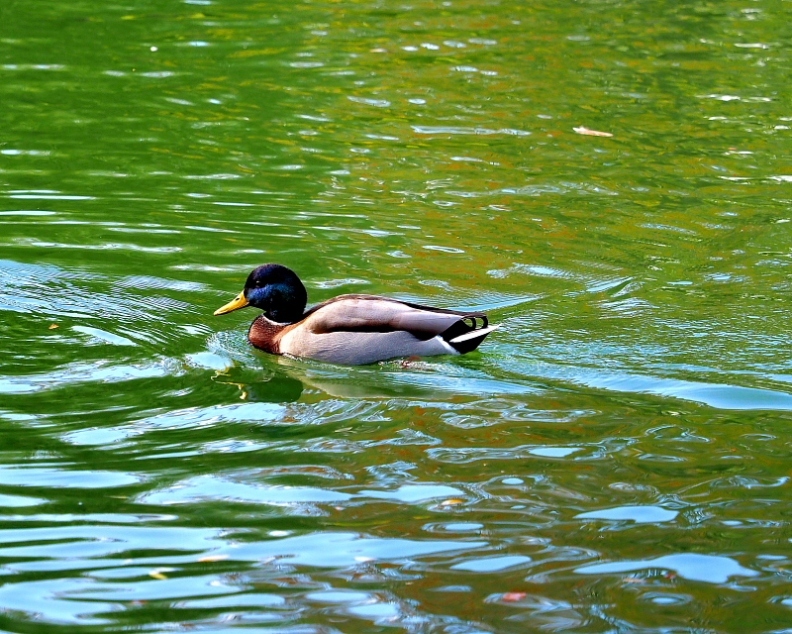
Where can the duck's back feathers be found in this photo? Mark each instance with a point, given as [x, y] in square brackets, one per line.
[360, 329]
[372, 313]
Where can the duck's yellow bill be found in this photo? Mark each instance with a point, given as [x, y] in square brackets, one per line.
[240, 301]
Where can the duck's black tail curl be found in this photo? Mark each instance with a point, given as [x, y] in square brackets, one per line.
[468, 333]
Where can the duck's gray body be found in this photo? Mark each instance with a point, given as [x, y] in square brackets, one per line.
[361, 329]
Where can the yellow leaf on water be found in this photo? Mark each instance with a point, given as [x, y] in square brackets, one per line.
[157, 575]
[451, 502]
[211, 558]
[589, 132]
[53, 326]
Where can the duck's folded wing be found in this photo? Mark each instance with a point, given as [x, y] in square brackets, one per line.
[368, 313]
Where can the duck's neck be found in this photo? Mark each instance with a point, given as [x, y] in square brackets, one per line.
[264, 334]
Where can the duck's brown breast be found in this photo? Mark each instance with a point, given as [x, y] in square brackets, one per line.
[265, 334]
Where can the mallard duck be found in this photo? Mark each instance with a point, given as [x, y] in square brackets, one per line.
[350, 329]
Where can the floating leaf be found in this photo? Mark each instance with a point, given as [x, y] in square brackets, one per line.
[212, 558]
[589, 132]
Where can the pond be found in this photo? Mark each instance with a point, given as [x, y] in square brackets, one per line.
[608, 180]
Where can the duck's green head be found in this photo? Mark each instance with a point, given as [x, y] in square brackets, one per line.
[274, 289]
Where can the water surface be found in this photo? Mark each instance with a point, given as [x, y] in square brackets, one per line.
[614, 458]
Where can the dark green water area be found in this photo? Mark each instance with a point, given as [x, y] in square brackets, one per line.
[611, 180]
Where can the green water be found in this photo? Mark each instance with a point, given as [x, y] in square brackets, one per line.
[614, 459]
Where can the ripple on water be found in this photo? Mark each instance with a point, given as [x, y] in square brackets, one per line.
[87, 373]
[60, 476]
[637, 514]
[466, 455]
[248, 488]
[693, 566]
